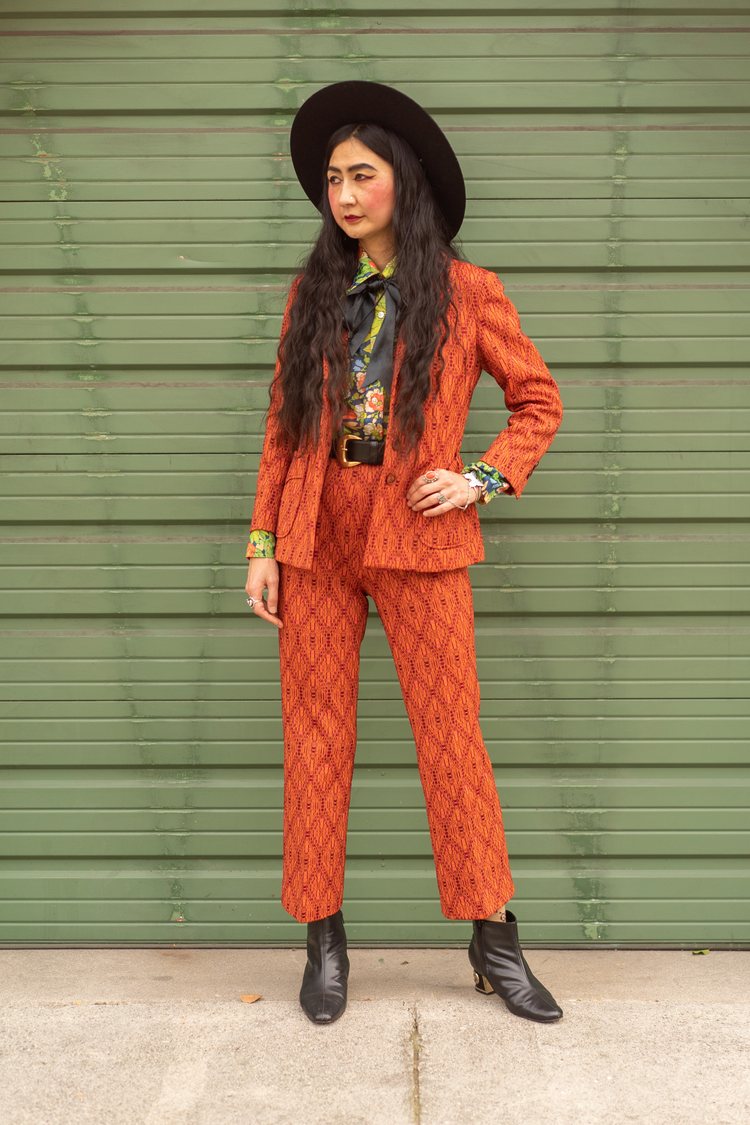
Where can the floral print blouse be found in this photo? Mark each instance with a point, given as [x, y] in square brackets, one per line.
[367, 408]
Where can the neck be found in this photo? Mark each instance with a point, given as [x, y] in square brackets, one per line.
[380, 248]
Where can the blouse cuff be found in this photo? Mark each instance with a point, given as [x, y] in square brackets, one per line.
[490, 479]
[261, 545]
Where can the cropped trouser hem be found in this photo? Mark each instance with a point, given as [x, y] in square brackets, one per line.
[313, 910]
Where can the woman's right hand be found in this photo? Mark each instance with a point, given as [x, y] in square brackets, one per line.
[261, 573]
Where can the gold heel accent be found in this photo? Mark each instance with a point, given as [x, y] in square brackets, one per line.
[482, 984]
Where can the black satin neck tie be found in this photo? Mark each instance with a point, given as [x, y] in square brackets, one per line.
[360, 309]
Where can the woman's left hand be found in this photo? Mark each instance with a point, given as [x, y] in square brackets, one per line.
[422, 494]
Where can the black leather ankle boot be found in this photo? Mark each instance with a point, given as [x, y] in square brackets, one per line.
[324, 981]
[500, 966]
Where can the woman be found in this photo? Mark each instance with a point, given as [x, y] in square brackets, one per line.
[362, 490]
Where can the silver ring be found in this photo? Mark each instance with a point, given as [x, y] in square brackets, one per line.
[441, 499]
[251, 601]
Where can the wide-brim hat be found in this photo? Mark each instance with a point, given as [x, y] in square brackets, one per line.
[343, 103]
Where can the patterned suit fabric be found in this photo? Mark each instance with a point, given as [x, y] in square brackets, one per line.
[343, 533]
[485, 335]
[428, 619]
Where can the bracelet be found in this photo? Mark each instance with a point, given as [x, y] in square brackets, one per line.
[462, 508]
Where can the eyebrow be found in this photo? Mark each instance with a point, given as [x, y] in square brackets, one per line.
[351, 168]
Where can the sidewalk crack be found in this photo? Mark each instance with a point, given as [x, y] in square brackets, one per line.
[416, 1050]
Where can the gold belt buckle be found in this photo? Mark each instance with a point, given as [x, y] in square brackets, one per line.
[341, 441]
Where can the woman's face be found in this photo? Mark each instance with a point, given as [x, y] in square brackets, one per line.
[361, 190]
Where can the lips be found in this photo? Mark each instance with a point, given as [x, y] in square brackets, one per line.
[353, 218]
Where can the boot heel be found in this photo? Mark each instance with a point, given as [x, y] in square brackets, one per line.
[481, 984]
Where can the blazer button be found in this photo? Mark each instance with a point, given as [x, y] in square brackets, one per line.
[390, 478]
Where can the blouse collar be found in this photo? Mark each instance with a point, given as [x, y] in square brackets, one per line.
[366, 267]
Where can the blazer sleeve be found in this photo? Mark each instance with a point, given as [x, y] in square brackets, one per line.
[531, 394]
[277, 452]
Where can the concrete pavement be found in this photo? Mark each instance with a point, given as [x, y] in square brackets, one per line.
[161, 1036]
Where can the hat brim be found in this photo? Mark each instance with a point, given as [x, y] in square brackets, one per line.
[342, 103]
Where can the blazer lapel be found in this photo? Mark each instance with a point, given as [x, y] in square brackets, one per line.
[398, 359]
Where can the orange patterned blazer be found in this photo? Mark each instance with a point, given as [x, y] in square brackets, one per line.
[485, 335]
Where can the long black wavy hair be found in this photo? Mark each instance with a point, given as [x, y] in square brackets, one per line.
[316, 321]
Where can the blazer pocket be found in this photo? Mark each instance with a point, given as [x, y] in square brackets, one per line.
[294, 487]
[453, 528]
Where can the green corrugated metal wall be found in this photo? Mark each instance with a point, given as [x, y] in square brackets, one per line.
[150, 225]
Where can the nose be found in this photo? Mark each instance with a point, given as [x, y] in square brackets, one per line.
[347, 195]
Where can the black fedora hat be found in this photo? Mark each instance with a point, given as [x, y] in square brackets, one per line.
[343, 103]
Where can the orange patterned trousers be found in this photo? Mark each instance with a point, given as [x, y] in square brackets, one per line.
[428, 619]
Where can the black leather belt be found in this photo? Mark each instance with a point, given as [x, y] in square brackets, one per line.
[351, 450]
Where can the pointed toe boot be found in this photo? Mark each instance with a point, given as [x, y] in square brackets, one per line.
[324, 981]
[500, 966]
